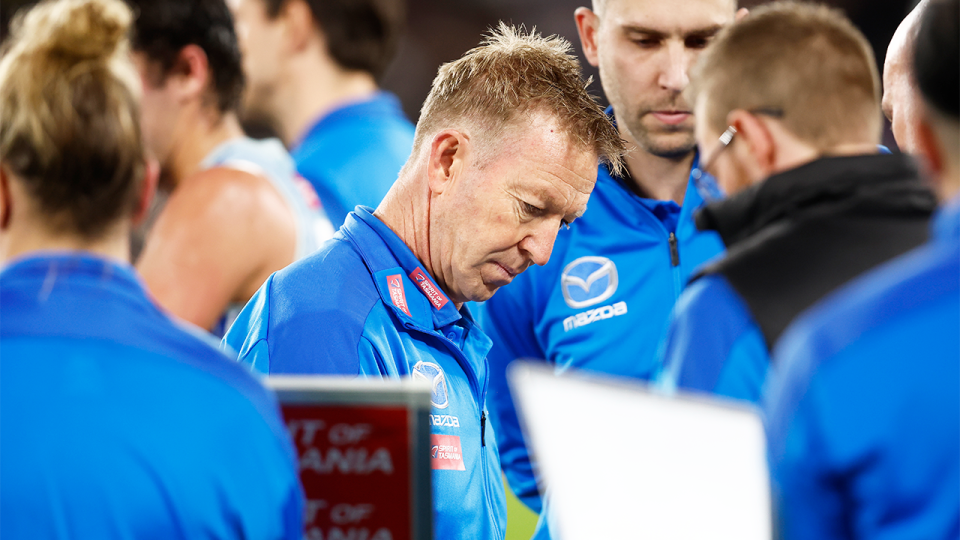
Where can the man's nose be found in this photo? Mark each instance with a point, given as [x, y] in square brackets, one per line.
[538, 244]
[675, 67]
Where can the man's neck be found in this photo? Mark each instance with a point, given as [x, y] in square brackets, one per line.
[406, 211]
[313, 89]
[208, 131]
[655, 177]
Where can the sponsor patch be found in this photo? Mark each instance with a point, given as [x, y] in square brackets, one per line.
[444, 420]
[588, 281]
[432, 292]
[430, 372]
[593, 315]
[397, 296]
[445, 453]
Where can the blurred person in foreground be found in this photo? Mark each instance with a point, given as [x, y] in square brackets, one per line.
[115, 421]
[237, 211]
[506, 154]
[602, 302]
[863, 412]
[788, 119]
[313, 67]
[901, 102]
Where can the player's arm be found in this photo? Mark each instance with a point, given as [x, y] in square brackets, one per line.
[216, 241]
[507, 318]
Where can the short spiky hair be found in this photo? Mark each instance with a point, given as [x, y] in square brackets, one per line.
[805, 59]
[511, 75]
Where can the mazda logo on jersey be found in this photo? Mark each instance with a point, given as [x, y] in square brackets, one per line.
[588, 281]
[430, 372]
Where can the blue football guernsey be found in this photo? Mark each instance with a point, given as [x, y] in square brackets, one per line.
[601, 303]
[118, 423]
[354, 154]
[863, 406]
[364, 305]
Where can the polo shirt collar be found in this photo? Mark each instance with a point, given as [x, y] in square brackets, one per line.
[403, 283]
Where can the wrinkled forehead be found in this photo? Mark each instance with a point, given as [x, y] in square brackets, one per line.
[667, 15]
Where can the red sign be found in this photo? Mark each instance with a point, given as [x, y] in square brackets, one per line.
[355, 469]
[437, 298]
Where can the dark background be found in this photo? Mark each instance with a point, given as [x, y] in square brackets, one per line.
[439, 31]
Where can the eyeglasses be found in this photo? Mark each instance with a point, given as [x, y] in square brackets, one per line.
[709, 192]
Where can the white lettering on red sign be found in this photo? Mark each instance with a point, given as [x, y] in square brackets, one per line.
[347, 461]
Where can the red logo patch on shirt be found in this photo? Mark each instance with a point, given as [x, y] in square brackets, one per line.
[437, 298]
[397, 295]
[445, 453]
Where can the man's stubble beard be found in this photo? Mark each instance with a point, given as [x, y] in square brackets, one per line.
[655, 143]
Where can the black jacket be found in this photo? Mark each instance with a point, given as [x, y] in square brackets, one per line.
[802, 233]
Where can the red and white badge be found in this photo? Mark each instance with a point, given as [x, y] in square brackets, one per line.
[436, 297]
[446, 453]
[397, 295]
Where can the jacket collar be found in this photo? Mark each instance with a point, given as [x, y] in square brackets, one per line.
[404, 285]
[877, 182]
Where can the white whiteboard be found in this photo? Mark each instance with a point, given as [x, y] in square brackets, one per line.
[620, 461]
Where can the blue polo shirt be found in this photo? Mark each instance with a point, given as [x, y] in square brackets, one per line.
[601, 303]
[863, 405]
[118, 423]
[353, 154]
[364, 305]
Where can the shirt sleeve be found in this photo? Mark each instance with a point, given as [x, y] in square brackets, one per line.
[246, 340]
[712, 344]
[508, 321]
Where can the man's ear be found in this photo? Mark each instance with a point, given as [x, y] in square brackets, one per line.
[6, 205]
[191, 72]
[151, 176]
[587, 26]
[299, 25]
[448, 153]
[929, 148]
[757, 145]
[741, 14]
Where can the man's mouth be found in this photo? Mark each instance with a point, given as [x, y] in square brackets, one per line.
[670, 116]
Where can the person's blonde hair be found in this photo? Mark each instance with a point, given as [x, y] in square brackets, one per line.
[510, 76]
[69, 113]
[805, 60]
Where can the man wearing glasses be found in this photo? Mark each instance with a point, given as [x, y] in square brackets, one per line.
[787, 104]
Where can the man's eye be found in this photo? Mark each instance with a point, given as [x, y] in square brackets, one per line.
[564, 224]
[532, 210]
[697, 42]
[647, 43]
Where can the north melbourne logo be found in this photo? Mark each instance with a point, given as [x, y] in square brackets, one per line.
[430, 372]
[588, 281]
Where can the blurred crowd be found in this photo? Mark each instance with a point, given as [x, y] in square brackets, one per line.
[196, 193]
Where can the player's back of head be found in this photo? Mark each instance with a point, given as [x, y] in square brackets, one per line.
[360, 35]
[162, 28]
[806, 61]
[69, 114]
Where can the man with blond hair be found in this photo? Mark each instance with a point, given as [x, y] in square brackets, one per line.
[504, 155]
[604, 299]
[788, 119]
